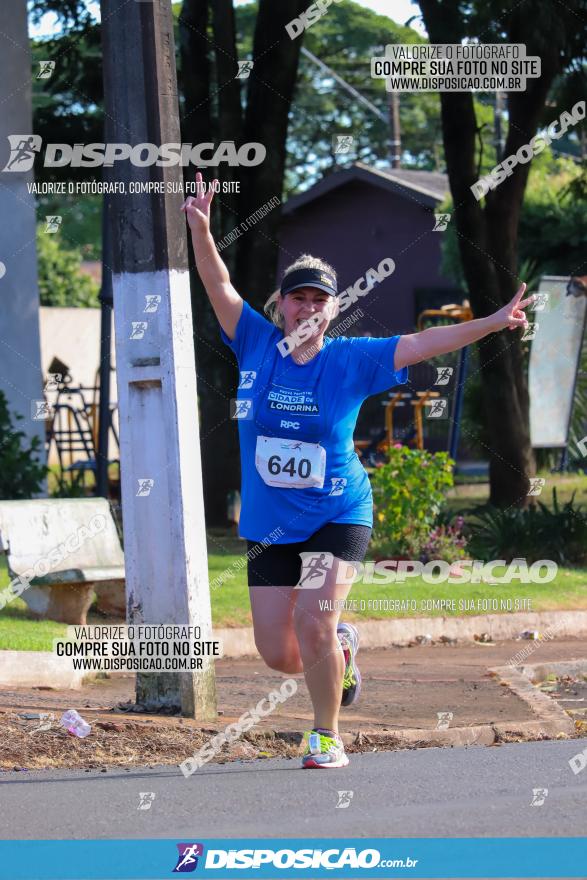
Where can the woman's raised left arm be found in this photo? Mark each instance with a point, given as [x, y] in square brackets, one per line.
[416, 347]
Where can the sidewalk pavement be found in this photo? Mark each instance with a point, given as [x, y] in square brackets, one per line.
[404, 689]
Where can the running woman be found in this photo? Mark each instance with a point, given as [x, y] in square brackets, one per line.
[307, 509]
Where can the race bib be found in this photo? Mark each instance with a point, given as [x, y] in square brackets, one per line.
[290, 464]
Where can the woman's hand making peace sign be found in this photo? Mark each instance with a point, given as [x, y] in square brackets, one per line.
[417, 347]
[225, 301]
[197, 208]
[512, 315]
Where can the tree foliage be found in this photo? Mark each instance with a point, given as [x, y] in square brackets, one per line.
[553, 224]
[489, 232]
[68, 107]
[61, 283]
[21, 473]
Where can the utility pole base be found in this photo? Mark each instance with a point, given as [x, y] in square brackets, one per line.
[178, 693]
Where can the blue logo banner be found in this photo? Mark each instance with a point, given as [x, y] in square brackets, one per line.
[547, 857]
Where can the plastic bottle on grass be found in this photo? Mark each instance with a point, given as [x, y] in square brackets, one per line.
[75, 724]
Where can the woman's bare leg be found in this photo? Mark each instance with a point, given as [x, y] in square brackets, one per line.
[320, 649]
[275, 636]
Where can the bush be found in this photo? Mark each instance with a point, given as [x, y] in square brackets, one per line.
[535, 533]
[61, 283]
[408, 493]
[21, 474]
[445, 542]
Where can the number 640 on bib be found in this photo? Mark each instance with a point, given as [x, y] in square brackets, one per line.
[290, 464]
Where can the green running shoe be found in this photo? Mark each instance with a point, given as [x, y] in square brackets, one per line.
[348, 636]
[323, 752]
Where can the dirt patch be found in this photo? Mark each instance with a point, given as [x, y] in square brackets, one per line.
[131, 743]
[125, 743]
[404, 690]
[24, 746]
[570, 692]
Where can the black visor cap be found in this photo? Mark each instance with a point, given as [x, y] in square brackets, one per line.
[309, 278]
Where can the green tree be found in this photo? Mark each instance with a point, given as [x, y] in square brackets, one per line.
[345, 40]
[61, 283]
[489, 232]
[68, 107]
[553, 223]
[21, 474]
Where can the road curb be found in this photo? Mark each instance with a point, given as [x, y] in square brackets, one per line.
[38, 669]
[537, 672]
[551, 721]
[481, 735]
[547, 710]
[240, 642]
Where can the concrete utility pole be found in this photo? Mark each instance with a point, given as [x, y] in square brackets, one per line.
[21, 377]
[163, 508]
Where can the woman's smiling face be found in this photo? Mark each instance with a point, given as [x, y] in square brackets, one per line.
[303, 303]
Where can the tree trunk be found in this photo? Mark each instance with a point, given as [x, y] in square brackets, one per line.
[270, 92]
[488, 246]
[229, 111]
[214, 363]
[488, 257]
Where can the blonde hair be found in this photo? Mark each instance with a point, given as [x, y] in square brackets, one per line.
[304, 261]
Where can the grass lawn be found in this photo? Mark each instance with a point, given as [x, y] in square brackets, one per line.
[82, 486]
[18, 632]
[230, 603]
[471, 495]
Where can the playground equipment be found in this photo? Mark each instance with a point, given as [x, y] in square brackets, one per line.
[421, 400]
[74, 424]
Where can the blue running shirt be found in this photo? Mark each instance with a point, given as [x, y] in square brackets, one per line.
[312, 408]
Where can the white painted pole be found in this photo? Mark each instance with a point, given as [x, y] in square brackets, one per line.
[162, 498]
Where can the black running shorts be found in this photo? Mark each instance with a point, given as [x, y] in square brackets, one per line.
[280, 565]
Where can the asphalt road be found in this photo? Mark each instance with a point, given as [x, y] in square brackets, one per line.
[461, 792]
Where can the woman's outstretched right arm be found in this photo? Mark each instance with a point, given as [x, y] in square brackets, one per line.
[225, 301]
